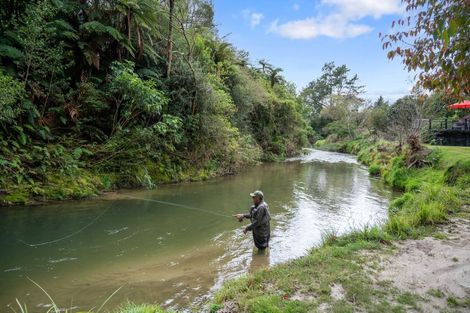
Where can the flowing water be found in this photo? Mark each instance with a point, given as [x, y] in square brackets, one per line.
[177, 244]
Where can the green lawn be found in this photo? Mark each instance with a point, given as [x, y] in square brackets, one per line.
[452, 154]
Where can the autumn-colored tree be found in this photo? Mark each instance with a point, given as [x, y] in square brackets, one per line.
[434, 41]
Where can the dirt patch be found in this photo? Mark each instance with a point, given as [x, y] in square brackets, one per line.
[299, 296]
[435, 269]
[337, 292]
[228, 307]
[324, 307]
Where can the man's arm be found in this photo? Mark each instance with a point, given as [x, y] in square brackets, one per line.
[241, 216]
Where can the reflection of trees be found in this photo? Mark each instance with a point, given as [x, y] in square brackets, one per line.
[330, 184]
[277, 181]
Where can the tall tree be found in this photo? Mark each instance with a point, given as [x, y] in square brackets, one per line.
[274, 76]
[334, 81]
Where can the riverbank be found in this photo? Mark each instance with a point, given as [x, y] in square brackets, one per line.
[351, 272]
[83, 183]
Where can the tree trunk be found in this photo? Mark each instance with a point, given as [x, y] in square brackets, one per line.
[129, 21]
[169, 48]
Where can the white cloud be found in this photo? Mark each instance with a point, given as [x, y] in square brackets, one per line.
[254, 18]
[331, 26]
[341, 21]
[296, 7]
[362, 8]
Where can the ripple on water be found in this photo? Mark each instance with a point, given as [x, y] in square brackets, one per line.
[314, 155]
[62, 260]
[13, 269]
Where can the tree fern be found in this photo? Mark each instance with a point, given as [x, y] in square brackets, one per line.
[10, 52]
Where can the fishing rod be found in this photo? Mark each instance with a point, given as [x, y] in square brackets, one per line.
[179, 205]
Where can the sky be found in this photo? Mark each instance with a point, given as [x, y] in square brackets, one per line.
[301, 35]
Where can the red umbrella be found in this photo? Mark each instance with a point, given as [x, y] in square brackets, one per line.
[462, 105]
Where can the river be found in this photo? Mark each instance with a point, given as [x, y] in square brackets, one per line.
[177, 244]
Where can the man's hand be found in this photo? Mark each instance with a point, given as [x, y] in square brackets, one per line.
[239, 217]
[245, 231]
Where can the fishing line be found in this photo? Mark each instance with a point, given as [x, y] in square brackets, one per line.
[69, 235]
[179, 205]
[102, 213]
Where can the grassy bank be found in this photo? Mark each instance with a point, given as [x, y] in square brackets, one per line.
[338, 276]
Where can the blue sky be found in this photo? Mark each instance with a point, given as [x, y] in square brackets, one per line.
[301, 35]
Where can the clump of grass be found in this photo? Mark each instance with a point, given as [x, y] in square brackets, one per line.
[276, 304]
[139, 308]
[435, 293]
[374, 169]
[428, 207]
[396, 174]
[407, 298]
[374, 234]
[329, 237]
[397, 204]
[452, 301]
[440, 236]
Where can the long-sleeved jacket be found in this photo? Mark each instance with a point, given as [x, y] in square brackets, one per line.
[260, 225]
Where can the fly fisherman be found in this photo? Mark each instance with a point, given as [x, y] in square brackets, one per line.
[259, 217]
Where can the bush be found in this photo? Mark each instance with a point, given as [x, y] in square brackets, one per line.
[374, 169]
[12, 99]
[397, 174]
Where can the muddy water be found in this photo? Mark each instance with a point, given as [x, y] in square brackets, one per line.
[177, 244]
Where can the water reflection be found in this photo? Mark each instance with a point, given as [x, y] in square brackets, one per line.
[259, 260]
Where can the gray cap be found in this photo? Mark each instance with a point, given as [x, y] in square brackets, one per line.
[257, 193]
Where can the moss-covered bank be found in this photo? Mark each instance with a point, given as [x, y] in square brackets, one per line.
[336, 277]
[77, 177]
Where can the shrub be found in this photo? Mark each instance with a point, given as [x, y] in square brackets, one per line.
[374, 169]
[397, 174]
[12, 97]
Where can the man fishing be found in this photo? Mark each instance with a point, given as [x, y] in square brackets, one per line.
[259, 216]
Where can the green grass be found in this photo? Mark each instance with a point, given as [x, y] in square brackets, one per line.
[435, 293]
[312, 276]
[452, 154]
[139, 308]
[271, 290]
[407, 298]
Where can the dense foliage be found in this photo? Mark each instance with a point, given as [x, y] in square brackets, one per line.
[96, 94]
